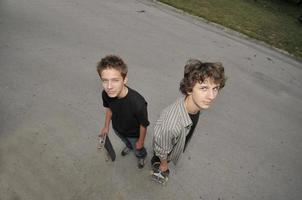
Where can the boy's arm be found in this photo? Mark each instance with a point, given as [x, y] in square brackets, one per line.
[141, 139]
[142, 117]
[104, 131]
[163, 145]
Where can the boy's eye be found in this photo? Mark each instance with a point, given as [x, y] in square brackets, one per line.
[113, 80]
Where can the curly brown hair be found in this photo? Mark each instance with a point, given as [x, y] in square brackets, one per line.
[112, 62]
[197, 71]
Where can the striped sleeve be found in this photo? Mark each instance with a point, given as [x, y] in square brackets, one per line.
[162, 142]
[165, 132]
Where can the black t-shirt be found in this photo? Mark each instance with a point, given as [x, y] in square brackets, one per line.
[194, 118]
[128, 113]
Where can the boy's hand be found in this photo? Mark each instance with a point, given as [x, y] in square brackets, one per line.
[104, 132]
[163, 165]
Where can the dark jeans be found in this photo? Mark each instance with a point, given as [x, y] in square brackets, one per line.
[130, 143]
[154, 159]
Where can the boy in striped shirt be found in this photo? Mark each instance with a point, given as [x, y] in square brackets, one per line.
[174, 128]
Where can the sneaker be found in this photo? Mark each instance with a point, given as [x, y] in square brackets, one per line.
[125, 151]
[141, 163]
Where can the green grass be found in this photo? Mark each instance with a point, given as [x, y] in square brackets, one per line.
[272, 21]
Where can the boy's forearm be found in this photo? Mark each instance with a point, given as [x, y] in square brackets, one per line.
[162, 143]
[142, 134]
[107, 117]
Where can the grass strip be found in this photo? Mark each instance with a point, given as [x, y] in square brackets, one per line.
[273, 21]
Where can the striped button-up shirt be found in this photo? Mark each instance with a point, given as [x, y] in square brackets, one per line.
[171, 130]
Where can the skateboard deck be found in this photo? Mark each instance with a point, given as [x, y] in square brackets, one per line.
[107, 145]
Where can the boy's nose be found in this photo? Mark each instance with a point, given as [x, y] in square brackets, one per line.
[109, 84]
[211, 95]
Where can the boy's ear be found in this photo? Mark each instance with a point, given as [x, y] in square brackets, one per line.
[126, 80]
[189, 92]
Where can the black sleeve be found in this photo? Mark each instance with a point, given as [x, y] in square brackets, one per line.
[142, 115]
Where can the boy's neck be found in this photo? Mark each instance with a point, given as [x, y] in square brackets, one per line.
[190, 106]
[124, 92]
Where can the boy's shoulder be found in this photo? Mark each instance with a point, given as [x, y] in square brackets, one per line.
[174, 113]
[135, 96]
[175, 106]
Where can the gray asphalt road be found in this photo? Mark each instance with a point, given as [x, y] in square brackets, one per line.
[247, 146]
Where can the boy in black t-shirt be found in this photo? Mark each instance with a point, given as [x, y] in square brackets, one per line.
[124, 106]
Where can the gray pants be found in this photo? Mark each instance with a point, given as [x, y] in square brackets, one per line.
[130, 143]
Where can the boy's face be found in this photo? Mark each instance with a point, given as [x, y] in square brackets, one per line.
[203, 94]
[113, 82]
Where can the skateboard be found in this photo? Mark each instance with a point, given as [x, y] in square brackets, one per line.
[105, 143]
[157, 176]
